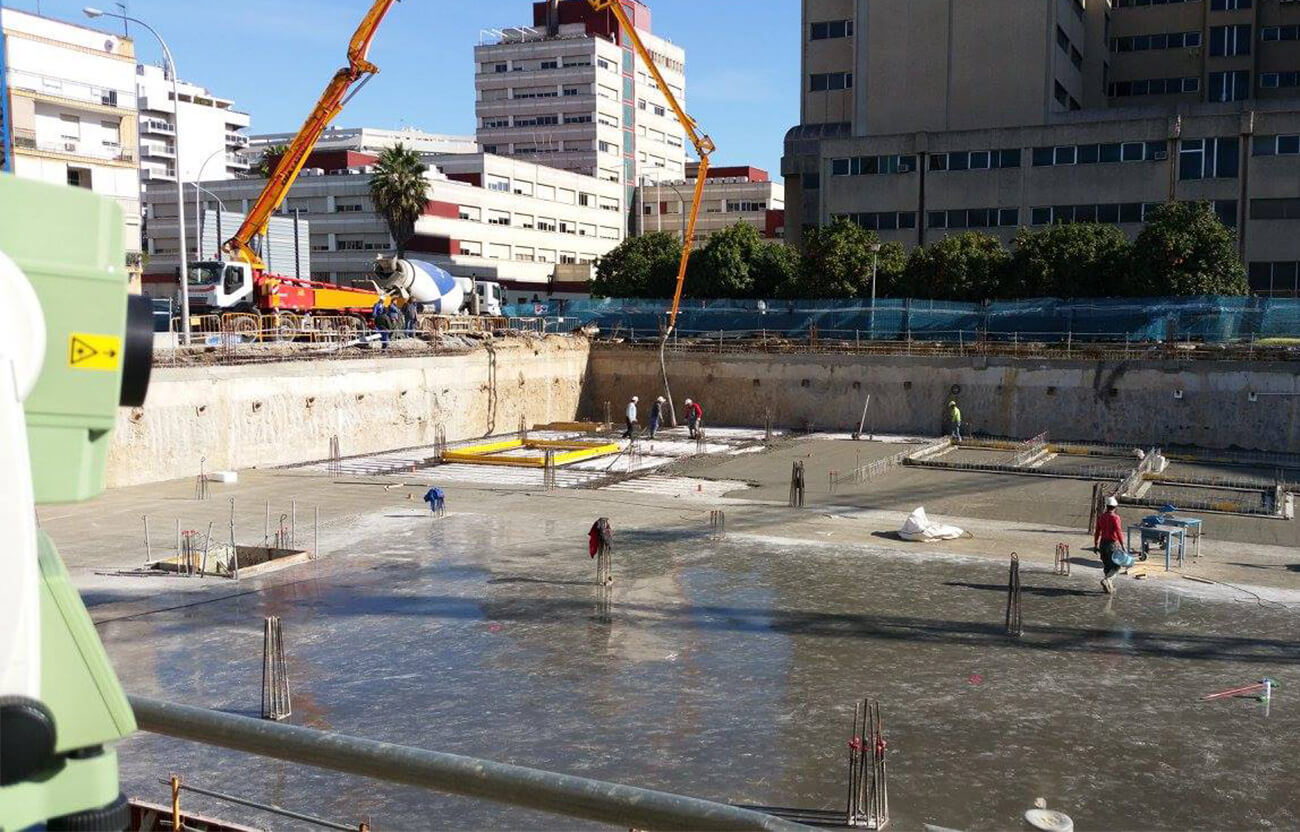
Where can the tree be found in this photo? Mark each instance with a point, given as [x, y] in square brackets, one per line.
[725, 266]
[639, 267]
[838, 261]
[1185, 250]
[1080, 260]
[399, 192]
[970, 267]
[271, 157]
[774, 266]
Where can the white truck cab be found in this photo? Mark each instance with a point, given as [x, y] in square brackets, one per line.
[220, 286]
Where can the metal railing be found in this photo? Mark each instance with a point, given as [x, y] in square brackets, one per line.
[71, 89]
[27, 139]
[527, 788]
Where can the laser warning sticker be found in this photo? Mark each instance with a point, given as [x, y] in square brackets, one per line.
[94, 352]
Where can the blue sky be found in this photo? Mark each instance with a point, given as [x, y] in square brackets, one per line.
[273, 57]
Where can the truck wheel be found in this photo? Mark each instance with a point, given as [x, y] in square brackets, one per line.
[246, 326]
[349, 329]
[288, 327]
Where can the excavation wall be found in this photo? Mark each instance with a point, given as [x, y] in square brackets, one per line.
[257, 416]
[1213, 404]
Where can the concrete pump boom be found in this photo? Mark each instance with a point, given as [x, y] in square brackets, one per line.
[347, 82]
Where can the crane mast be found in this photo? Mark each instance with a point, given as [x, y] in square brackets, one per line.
[703, 145]
[347, 82]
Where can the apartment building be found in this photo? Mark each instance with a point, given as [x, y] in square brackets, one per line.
[72, 111]
[1024, 114]
[212, 144]
[570, 92]
[535, 229]
[732, 195]
[372, 140]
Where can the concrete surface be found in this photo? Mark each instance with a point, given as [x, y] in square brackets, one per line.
[1114, 402]
[724, 669]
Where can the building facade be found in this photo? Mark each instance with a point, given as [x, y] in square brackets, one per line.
[570, 92]
[731, 195]
[372, 140]
[1008, 114]
[72, 112]
[212, 144]
[536, 230]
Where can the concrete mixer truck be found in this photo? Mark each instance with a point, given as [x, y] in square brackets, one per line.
[437, 292]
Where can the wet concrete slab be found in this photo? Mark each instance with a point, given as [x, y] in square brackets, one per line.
[728, 669]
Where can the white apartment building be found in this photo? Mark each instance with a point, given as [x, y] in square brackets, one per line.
[537, 230]
[212, 142]
[731, 195]
[372, 140]
[73, 111]
[571, 92]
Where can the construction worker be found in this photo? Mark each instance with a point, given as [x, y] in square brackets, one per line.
[409, 318]
[382, 324]
[437, 501]
[694, 417]
[954, 419]
[1108, 539]
[656, 415]
[631, 417]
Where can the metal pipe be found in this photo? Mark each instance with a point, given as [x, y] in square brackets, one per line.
[529, 788]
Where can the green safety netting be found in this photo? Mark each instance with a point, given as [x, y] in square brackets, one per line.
[1207, 319]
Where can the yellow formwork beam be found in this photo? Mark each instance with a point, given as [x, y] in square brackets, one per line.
[572, 451]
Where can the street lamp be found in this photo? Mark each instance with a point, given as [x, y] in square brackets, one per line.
[92, 13]
[198, 225]
[875, 262]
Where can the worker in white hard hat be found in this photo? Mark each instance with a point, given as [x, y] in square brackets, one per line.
[656, 415]
[631, 418]
[1109, 542]
[694, 416]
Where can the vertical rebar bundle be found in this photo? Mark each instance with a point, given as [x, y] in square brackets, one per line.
[868, 772]
[717, 525]
[767, 426]
[832, 478]
[1095, 510]
[335, 458]
[201, 483]
[276, 704]
[797, 485]
[187, 563]
[283, 535]
[148, 549]
[609, 423]
[548, 473]
[633, 454]
[1015, 624]
[1063, 559]
[701, 444]
[523, 426]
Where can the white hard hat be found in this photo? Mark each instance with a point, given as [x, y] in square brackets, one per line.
[661, 398]
[688, 401]
[636, 398]
[1111, 502]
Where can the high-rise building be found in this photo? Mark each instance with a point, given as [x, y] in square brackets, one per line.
[212, 142]
[570, 92]
[72, 111]
[921, 118]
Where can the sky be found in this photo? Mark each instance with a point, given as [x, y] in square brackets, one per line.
[274, 57]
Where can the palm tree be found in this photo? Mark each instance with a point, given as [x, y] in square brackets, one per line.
[399, 191]
[271, 157]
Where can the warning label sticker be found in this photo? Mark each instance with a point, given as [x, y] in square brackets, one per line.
[94, 352]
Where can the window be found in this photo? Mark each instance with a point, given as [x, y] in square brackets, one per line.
[80, 178]
[745, 206]
[501, 68]
[1276, 146]
[1275, 209]
[494, 123]
[872, 165]
[1229, 86]
[1291, 32]
[498, 183]
[1208, 159]
[1062, 95]
[824, 81]
[347, 207]
[537, 121]
[1154, 86]
[1168, 40]
[1228, 5]
[545, 224]
[975, 159]
[974, 218]
[577, 118]
[1275, 279]
[1076, 58]
[831, 29]
[1230, 40]
[70, 127]
[550, 64]
[1274, 80]
[1062, 40]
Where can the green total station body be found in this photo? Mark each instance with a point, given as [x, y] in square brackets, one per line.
[57, 765]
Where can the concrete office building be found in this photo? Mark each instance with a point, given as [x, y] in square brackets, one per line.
[731, 195]
[922, 118]
[537, 230]
[372, 140]
[570, 92]
[73, 111]
[212, 140]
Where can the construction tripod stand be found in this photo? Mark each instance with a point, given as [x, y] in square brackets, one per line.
[868, 773]
[1015, 624]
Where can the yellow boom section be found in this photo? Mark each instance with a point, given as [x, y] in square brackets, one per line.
[336, 95]
[704, 146]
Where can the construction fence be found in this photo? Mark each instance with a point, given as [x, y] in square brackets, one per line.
[1209, 320]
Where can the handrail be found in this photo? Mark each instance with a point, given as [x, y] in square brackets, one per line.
[529, 788]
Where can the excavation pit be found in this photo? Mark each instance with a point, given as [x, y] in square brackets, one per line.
[221, 562]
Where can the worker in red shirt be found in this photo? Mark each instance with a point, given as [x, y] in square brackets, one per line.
[1109, 542]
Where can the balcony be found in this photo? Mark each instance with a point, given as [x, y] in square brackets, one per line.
[237, 140]
[153, 125]
[234, 160]
[66, 89]
[157, 150]
[155, 175]
[103, 152]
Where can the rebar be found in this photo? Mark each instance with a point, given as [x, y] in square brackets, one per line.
[439, 442]
[767, 426]
[1063, 559]
[797, 485]
[701, 444]
[207, 543]
[335, 458]
[293, 524]
[201, 483]
[276, 704]
[523, 427]
[609, 422]
[185, 564]
[548, 472]
[148, 549]
[1030, 449]
[1015, 624]
[832, 477]
[868, 805]
[717, 525]
[234, 550]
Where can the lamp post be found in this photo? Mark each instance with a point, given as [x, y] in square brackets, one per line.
[875, 262]
[92, 12]
[198, 224]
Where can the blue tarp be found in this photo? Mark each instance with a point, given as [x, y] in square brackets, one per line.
[1208, 319]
